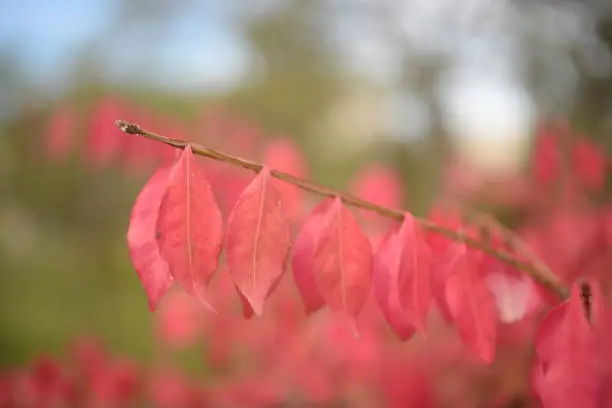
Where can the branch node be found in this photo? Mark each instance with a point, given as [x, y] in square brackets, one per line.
[129, 128]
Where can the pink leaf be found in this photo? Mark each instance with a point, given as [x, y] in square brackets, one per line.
[546, 156]
[342, 262]
[152, 270]
[60, 132]
[379, 184]
[303, 258]
[515, 296]
[178, 320]
[106, 141]
[573, 344]
[473, 307]
[385, 279]
[414, 278]
[190, 227]
[258, 241]
[589, 163]
[443, 266]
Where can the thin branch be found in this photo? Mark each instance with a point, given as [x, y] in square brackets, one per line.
[540, 272]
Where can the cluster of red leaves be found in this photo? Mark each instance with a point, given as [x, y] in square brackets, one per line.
[99, 141]
[88, 378]
[176, 235]
[421, 282]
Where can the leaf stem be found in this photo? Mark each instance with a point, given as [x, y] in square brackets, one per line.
[536, 269]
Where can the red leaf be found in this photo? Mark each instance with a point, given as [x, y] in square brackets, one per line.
[516, 295]
[167, 389]
[546, 156]
[342, 262]
[473, 307]
[589, 164]
[385, 279]
[152, 270]
[443, 266]
[380, 185]
[118, 386]
[572, 345]
[60, 131]
[446, 218]
[258, 241]
[106, 141]
[414, 278]
[303, 258]
[178, 321]
[190, 227]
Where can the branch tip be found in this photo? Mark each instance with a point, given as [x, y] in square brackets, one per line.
[127, 127]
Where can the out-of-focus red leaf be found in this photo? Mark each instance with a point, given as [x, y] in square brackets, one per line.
[178, 320]
[151, 268]
[379, 184]
[118, 386]
[396, 374]
[444, 253]
[105, 141]
[44, 384]
[546, 157]
[189, 227]
[284, 155]
[516, 296]
[303, 258]
[258, 241]
[443, 267]
[342, 263]
[89, 356]
[169, 389]
[385, 282]
[243, 134]
[60, 132]
[473, 307]
[414, 277]
[231, 183]
[572, 345]
[445, 218]
[589, 163]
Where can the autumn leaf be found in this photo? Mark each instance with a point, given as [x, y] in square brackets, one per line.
[189, 228]
[414, 279]
[546, 155]
[589, 163]
[572, 345]
[303, 258]
[105, 142]
[473, 307]
[380, 185]
[152, 269]
[385, 282]
[258, 241]
[444, 265]
[60, 133]
[342, 262]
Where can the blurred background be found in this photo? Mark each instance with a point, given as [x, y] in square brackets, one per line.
[404, 83]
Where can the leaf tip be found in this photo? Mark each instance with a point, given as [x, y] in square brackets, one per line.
[255, 306]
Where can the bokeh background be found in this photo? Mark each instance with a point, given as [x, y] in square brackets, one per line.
[352, 81]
